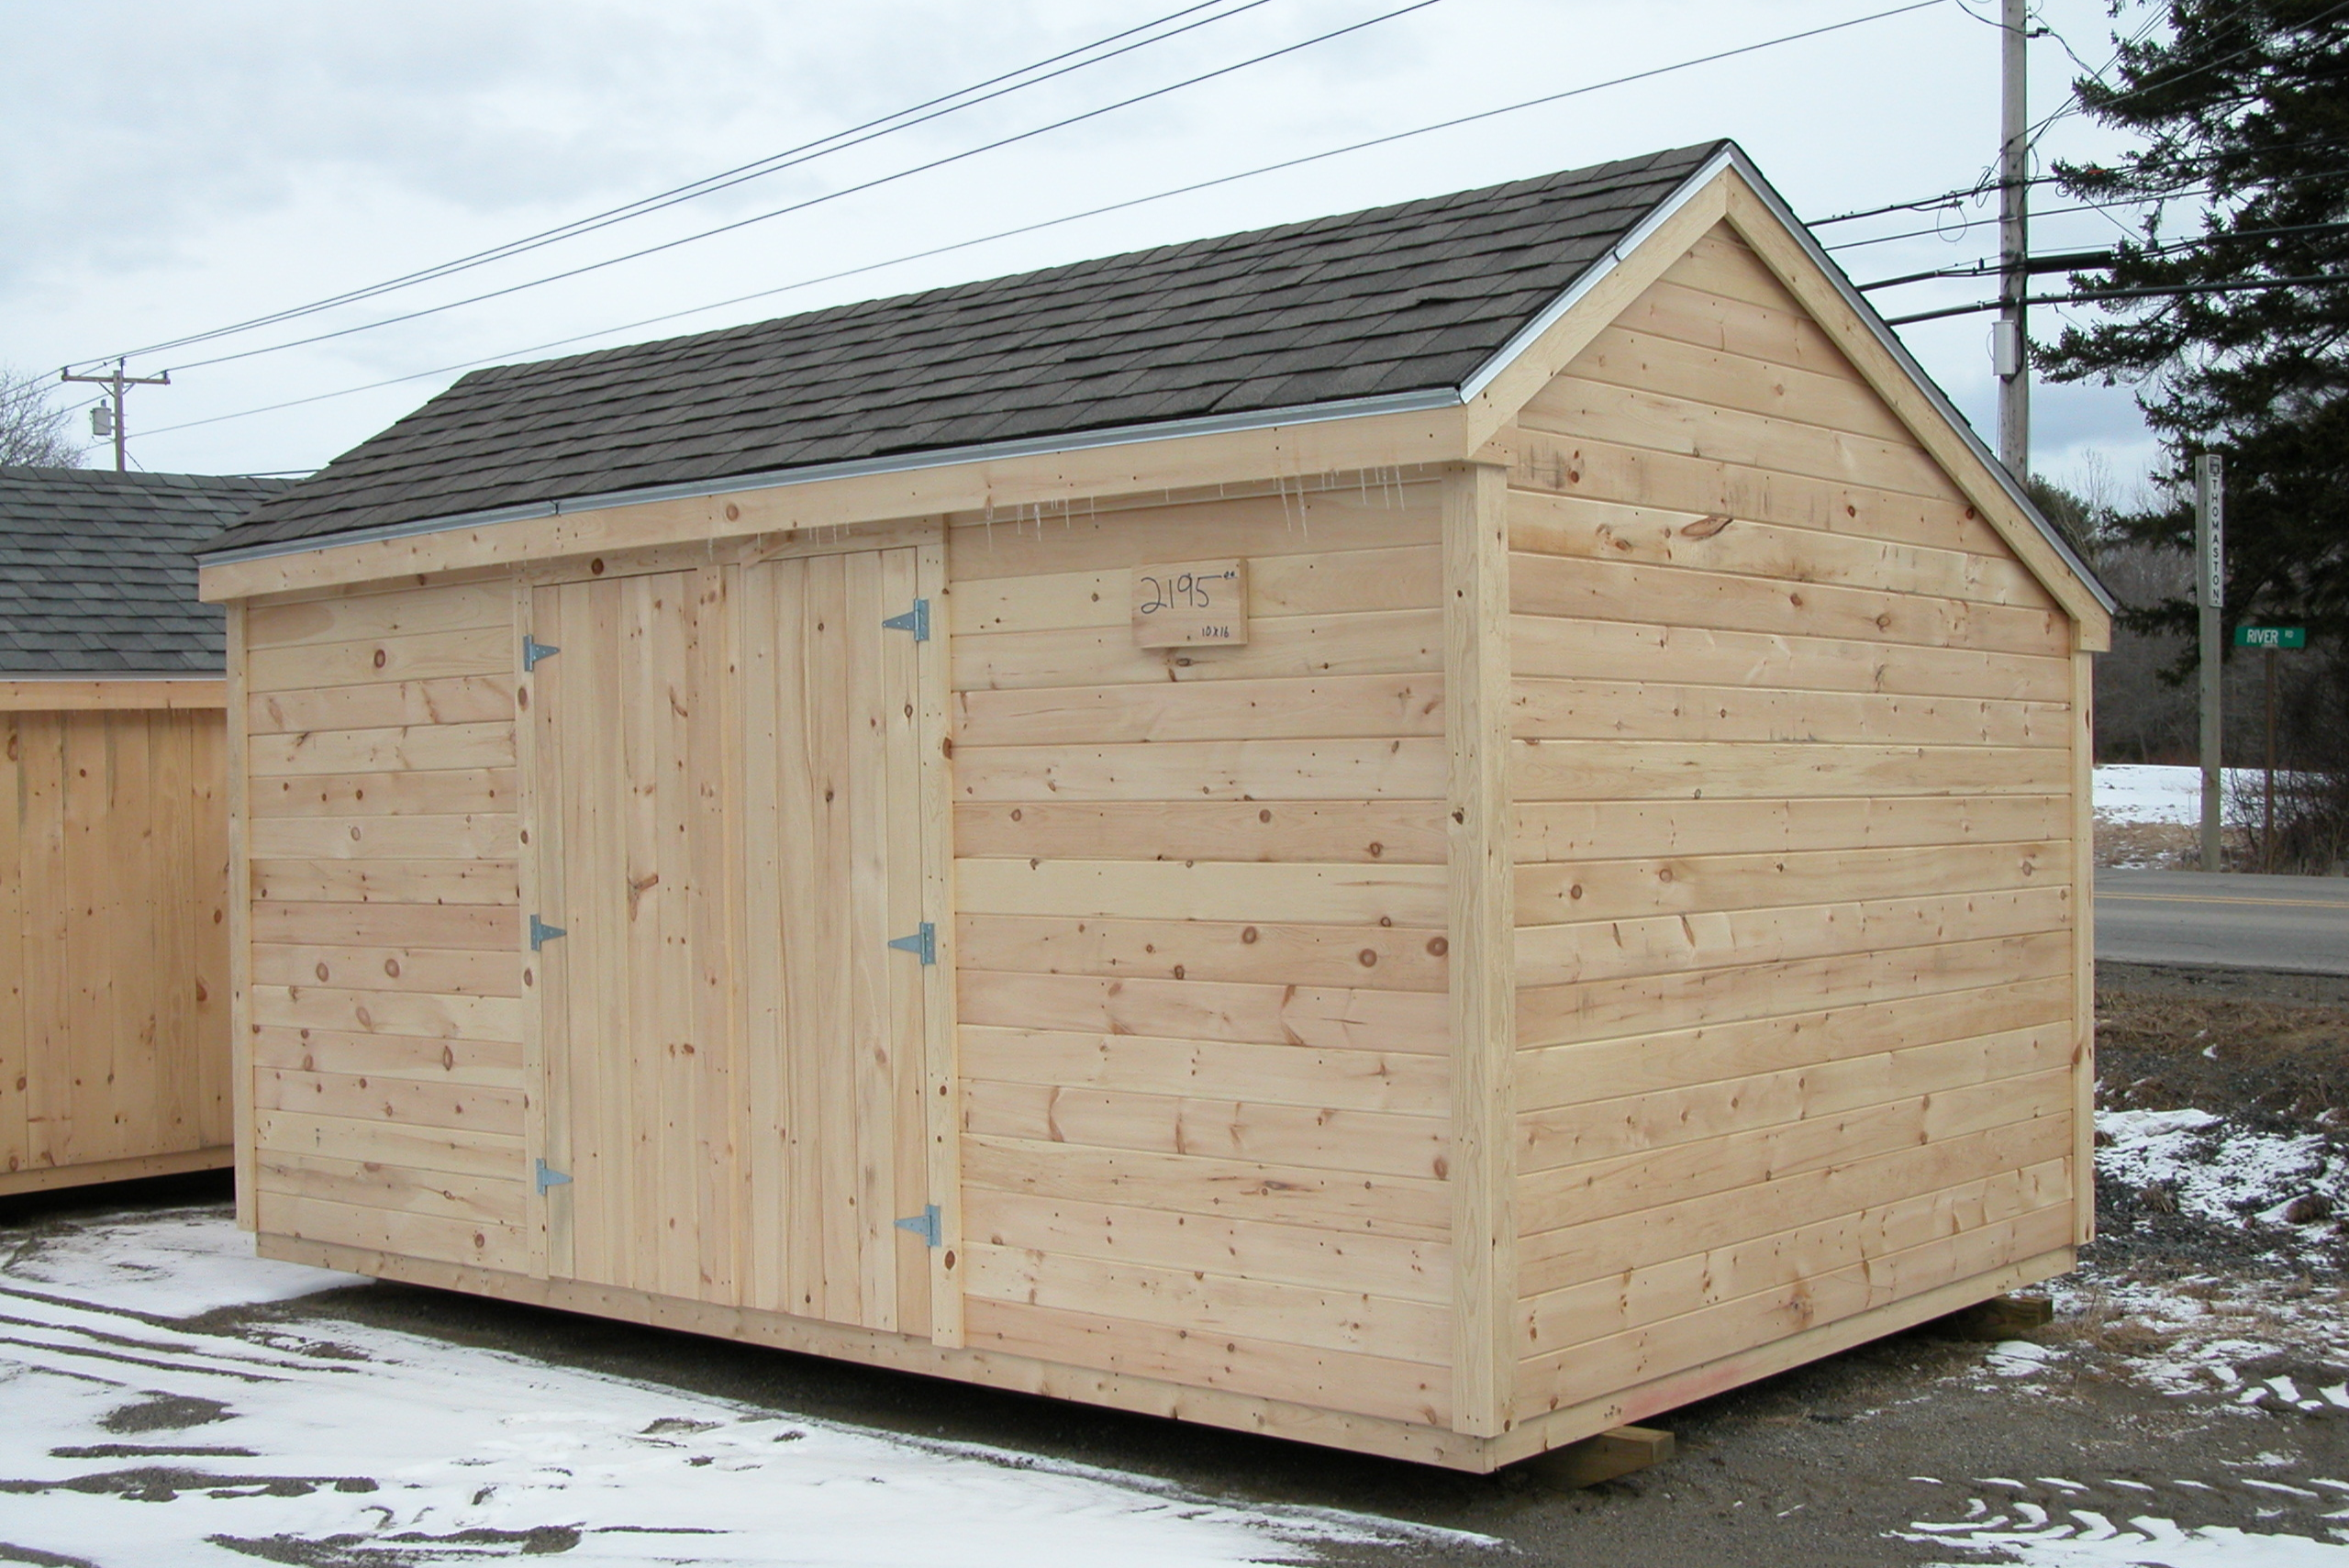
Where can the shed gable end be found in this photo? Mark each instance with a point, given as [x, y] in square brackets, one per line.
[1796, 761]
[1717, 395]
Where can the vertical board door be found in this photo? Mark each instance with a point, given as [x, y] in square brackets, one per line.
[833, 1027]
[729, 782]
[637, 1020]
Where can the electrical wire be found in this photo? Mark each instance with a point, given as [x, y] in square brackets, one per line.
[854, 135]
[1982, 187]
[1950, 198]
[2239, 285]
[2082, 261]
[862, 186]
[1191, 188]
[2171, 194]
[1966, 224]
[2073, 106]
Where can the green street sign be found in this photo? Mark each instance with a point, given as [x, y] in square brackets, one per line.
[2271, 637]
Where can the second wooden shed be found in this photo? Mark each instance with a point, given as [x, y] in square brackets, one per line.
[1430, 831]
[114, 822]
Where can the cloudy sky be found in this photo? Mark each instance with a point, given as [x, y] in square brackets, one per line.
[167, 169]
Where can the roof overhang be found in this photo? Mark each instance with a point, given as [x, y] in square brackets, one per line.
[909, 462]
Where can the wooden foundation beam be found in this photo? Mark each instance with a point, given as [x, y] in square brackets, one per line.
[2000, 1317]
[49, 1178]
[1611, 1454]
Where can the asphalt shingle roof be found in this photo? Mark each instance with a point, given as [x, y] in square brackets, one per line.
[1397, 299]
[96, 571]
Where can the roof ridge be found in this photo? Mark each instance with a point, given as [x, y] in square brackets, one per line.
[1004, 281]
[1404, 300]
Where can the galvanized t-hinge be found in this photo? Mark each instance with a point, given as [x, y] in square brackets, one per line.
[533, 650]
[548, 1176]
[924, 1224]
[542, 933]
[924, 941]
[916, 620]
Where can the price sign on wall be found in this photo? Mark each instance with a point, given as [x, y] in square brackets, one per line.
[1197, 604]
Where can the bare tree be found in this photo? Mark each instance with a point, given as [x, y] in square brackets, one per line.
[32, 427]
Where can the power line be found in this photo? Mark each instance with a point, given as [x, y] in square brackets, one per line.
[2238, 285]
[1980, 189]
[1166, 195]
[1971, 222]
[1984, 186]
[2081, 260]
[873, 183]
[2172, 193]
[837, 141]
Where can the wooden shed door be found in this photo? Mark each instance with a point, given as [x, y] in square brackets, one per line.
[640, 1109]
[730, 761]
[831, 837]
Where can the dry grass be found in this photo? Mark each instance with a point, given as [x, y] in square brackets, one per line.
[2224, 1054]
[2164, 846]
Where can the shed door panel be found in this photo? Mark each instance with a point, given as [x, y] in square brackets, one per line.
[730, 767]
[832, 873]
[640, 1109]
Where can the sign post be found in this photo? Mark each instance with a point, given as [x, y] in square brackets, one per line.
[2267, 639]
[2211, 588]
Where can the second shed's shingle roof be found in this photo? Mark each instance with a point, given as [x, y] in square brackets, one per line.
[1398, 299]
[96, 571]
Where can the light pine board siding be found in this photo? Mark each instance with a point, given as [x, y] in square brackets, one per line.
[1798, 883]
[1201, 904]
[114, 953]
[385, 1010]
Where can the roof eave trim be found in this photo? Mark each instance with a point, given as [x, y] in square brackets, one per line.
[1417, 402]
[1592, 276]
[85, 678]
[1732, 158]
[1885, 335]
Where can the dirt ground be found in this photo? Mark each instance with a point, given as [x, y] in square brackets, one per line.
[1920, 1449]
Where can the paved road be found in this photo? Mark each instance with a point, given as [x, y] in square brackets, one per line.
[2297, 923]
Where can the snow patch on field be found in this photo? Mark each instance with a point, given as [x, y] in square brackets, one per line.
[2208, 1337]
[175, 1263]
[2090, 1540]
[2144, 791]
[135, 1438]
[2054, 1522]
[2215, 1170]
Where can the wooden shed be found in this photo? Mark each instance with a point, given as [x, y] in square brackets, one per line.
[114, 822]
[1428, 831]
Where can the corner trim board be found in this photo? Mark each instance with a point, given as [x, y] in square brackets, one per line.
[1482, 946]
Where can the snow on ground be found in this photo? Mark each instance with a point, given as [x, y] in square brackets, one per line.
[2135, 792]
[176, 1263]
[2216, 1170]
[2194, 1337]
[135, 1438]
[2034, 1536]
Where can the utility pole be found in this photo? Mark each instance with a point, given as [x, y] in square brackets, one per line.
[2210, 593]
[2267, 775]
[106, 420]
[2011, 352]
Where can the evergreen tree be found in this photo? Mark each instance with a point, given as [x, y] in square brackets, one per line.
[2242, 110]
